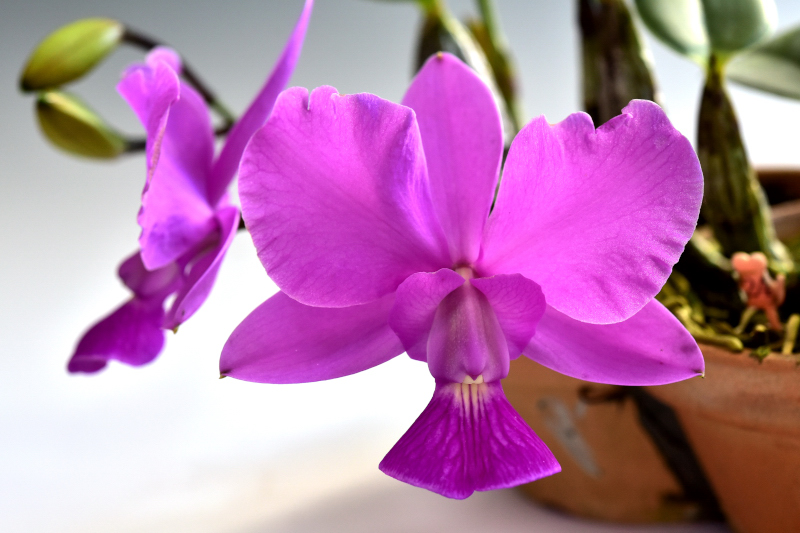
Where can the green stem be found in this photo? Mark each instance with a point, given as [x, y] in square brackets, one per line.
[134, 146]
[489, 16]
[495, 45]
[432, 7]
[790, 338]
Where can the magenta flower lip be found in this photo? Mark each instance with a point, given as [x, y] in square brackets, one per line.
[374, 220]
[188, 221]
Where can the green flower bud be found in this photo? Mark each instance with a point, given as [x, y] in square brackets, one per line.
[69, 124]
[70, 52]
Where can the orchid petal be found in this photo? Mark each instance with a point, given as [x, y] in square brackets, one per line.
[132, 334]
[518, 304]
[650, 348]
[203, 272]
[151, 89]
[166, 55]
[415, 306]
[284, 341]
[597, 218]
[469, 438]
[172, 112]
[228, 162]
[335, 194]
[462, 135]
[149, 284]
[176, 214]
[466, 339]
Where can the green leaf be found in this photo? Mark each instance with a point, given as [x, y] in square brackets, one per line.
[773, 66]
[761, 353]
[426, 5]
[72, 126]
[679, 24]
[733, 25]
[70, 52]
[695, 28]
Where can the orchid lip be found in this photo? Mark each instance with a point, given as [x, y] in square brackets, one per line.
[469, 438]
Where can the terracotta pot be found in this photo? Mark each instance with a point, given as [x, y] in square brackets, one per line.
[782, 186]
[611, 470]
[743, 422]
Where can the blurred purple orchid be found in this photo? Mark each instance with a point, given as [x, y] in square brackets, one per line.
[374, 220]
[187, 219]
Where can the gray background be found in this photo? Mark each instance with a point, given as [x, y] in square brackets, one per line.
[169, 447]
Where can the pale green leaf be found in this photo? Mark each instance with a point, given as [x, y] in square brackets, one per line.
[773, 66]
[733, 25]
[678, 23]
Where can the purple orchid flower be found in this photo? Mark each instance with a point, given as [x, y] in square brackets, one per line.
[187, 218]
[374, 220]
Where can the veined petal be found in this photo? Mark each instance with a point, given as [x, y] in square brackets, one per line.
[650, 348]
[597, 218]
[416, 301]
[176, 214]
[335, 194]
[518, 304]
[469, 438]
[149, 284]
[228, 162]
[203, 272]
[132, 334]
[151, 89]
[463, 139]
[466, 339]
[284, 341]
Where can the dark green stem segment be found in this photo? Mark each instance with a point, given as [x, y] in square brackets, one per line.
[134, 146]
[433, 38]
[440, 32]
[734, 205]
[145, 42]
[615, 70]
[490, 37]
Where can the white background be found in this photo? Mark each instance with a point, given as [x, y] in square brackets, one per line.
[169, 447]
